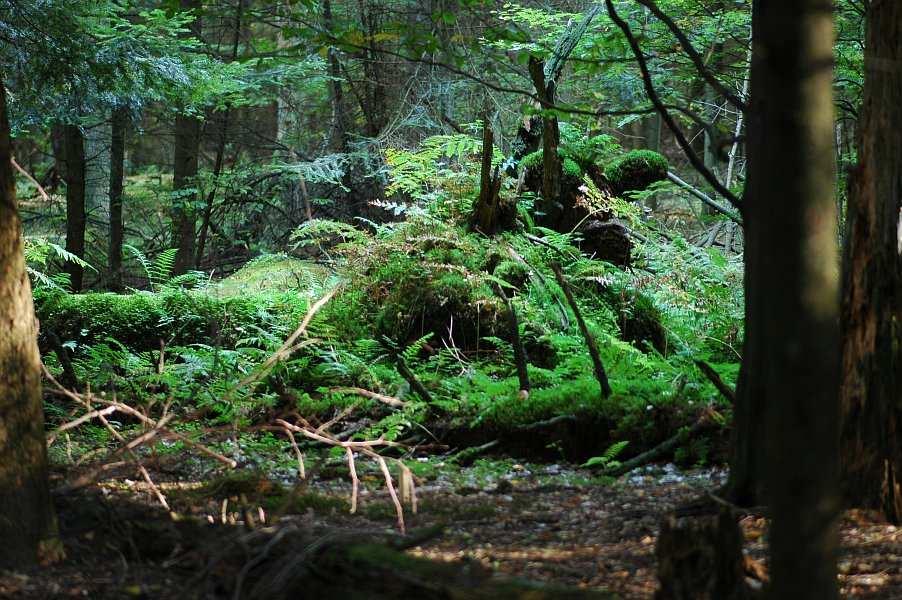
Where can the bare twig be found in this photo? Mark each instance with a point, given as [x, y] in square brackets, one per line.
[288, 346]
[389, 400]
[79, 421]
[391, 492]
[302, 471]
[365, 448]
[126, 409]
[355, 482]
[44, 195]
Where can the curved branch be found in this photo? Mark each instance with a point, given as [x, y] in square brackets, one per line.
[697, 163]
[693, 55]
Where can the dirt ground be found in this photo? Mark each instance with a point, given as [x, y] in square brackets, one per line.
[548, 523]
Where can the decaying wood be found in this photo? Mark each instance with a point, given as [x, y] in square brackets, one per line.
[700, 558]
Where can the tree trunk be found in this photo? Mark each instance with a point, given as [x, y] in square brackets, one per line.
[117, 173]
[337, 131]
[552, 170]
[872, 300]
[76, 218]
[27, 521]
[489, 214]
[98, 143]
[791, 211]
[185, 161]
[221, 148]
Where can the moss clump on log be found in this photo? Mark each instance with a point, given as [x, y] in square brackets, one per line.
[140, 320]
[636, 170]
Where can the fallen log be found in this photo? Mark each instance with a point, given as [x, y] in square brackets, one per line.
[705, 421]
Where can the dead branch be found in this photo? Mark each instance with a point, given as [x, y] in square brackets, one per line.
[389, 400]
[365, 448]
[600, 373]
[44, 195]
[714, 378]
[704, 422]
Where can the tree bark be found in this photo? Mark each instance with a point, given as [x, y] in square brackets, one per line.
[791, 218]
[337, 131]
[185, 162]
[76, 218]
[117, 173]
[552, 169]
[872, 299]
[221, 148]
[27, 521]
[488, 213]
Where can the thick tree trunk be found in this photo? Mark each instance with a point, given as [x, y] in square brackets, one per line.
[117, 173]
[872, 306]
[792, 212]
[184, 213]
[27, 521]
[76, 218]
[98, 143]
[745, 486]
[185, 162]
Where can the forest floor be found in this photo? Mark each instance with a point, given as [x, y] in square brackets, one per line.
[548, 523]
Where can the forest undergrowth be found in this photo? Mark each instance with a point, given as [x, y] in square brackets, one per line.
[391, 368]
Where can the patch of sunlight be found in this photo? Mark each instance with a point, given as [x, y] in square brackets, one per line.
[277, 272]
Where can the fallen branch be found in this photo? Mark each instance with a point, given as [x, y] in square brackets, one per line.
[705, 421]
[389, 400]
[288, 346]
[126, 409]
[404, 371]
[548, 422]
[600, 373]
[33, 181]
[714, 378]
[365, 448]
[705, 198]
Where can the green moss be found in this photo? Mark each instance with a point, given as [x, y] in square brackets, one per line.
[135, 320]
[140, 320]
[571, 168]
[636, 170]
[275, 272]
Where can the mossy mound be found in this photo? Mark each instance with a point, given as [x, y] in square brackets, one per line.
[424, 279]
[141, 320]
[636, 170]
[639, 319]
[275, 273]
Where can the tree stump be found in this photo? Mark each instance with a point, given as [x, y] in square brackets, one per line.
[700, 558]
[606, 240]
